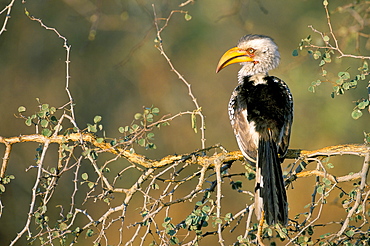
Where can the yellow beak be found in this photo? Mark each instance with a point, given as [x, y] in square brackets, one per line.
[233, 55]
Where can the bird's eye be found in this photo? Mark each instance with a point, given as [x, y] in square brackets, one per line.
[251, 50]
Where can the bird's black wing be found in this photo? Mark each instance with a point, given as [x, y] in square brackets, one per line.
[246, 136]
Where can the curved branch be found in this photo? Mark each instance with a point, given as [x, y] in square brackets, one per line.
[344, 149]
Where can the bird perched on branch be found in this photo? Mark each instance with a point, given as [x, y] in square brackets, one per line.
[261, 114]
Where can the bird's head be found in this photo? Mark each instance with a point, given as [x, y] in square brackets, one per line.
[256, 53]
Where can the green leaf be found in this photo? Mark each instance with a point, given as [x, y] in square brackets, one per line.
[326, 38]
[28, 121]
[141, 142]
[89, 233]
[218, 221]
[356, 114]
[322, 63]
[97, 119]
[326, 181]
[52, 110]
[45, 106]
[174, 240]
[316, 54]
[100, 140]
[150, 136]
[2, 188]
[206, 209]
[138, 116]
[350, 233]
[46, 132]
[330, 165]
[91, 128]
[199, 203]
[121, 129]
[63, 226]
[188, 17]
[295, 52]
[320, 190]
[236, 185]
[344, 75]
[152, 146]
[155, 111]
[363, 104]
[84, 176]
[21, 109]
[44, 123]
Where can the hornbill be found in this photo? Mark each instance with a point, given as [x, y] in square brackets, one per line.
[261, 114]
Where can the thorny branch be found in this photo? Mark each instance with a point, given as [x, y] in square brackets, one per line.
[153, 206]
[159, 46]
[328, 45]
[7, 10]
[160, 185]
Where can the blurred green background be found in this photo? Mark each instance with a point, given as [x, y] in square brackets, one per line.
[116, 70]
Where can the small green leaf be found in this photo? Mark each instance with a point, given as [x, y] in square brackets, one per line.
[218, 221]
[188, 17]
[344, 75]
[316, 54]
[45, 106]
[89, 233]
[91, 128]
[320, 190]
[206, 209]
[121, 129]
[84, 176]
[97, 119]
[350, 233]
[174, 240]
[326, 181]
[134, 127]
[356, 114]
[330, 165]
[295, 52]
[2, 188]
[141, 142]
[52, 110]
[363, 104]
[150, 136]
[46, 132]
[199, 203]
[28, 121]
[63, 226]
[155, 111]
[326, 38]
[100, 140]
[44, 123]
[21, 109]
[138, 116]
[236, 185]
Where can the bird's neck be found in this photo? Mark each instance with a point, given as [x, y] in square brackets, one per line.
[256, 78]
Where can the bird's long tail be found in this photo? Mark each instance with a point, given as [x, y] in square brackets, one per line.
[270, 194]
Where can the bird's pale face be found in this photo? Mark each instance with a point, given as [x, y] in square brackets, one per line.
[257, 54]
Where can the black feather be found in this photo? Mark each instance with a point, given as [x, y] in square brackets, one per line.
[271, 183]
